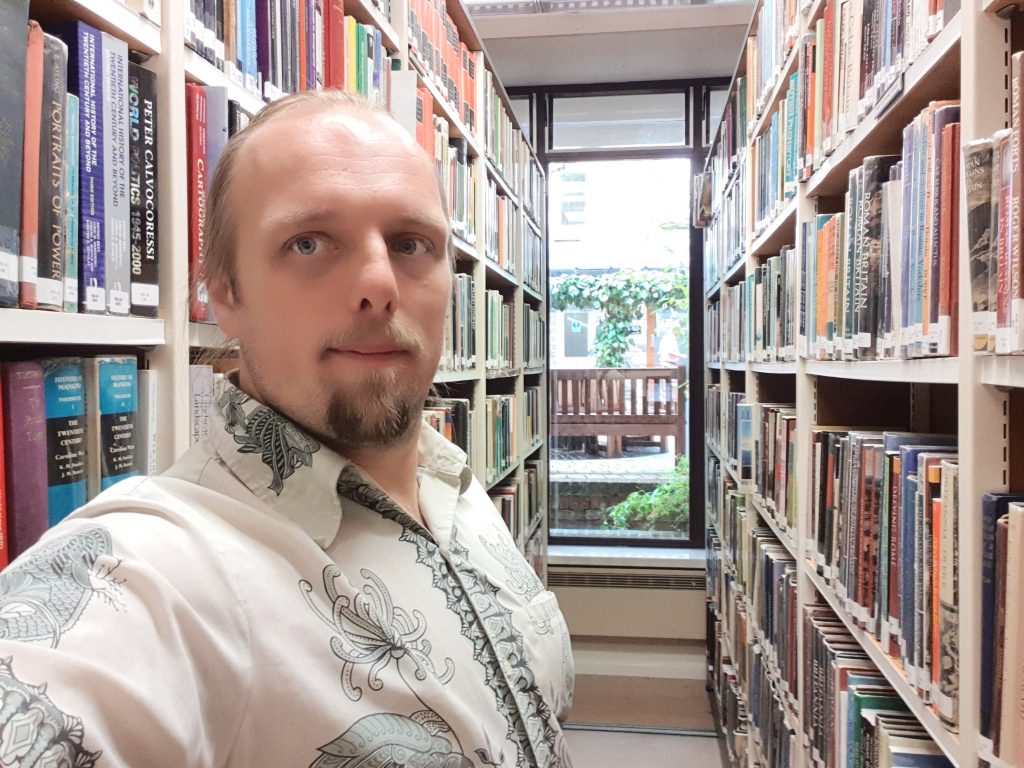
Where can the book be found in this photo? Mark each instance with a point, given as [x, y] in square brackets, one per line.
[148, 422]
[50, 250]
[977, 163]
[13, 50]
[28, 266]
[71, 212]
[111, 391]
[144, 194]
[24, 415]
[200, 397]
[117, 255]
[86, 81]
[66, 439]
[198, 184]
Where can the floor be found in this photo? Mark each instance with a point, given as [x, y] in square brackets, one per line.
[619, 749]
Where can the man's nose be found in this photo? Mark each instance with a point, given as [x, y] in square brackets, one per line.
[375, 280]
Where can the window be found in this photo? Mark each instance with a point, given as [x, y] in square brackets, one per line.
[521, 109]
[630, 120]
[714, 105]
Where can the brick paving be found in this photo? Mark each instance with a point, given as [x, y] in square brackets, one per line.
[643, 468]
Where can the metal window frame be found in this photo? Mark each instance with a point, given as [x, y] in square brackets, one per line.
[541, 127]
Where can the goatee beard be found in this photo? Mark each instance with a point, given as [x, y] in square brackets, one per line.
[378, 416]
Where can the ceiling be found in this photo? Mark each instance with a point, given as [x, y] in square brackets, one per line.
[615, 46]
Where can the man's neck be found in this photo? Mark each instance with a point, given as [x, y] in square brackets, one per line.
[394, 471]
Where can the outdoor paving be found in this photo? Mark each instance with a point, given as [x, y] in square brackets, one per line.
[642, 468]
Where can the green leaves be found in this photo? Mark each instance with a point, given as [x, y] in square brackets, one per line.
[666, 508]
[622, 296]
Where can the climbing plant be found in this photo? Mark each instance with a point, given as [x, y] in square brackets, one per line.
[621, 297]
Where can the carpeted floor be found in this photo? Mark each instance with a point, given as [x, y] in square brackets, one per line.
[643, 702]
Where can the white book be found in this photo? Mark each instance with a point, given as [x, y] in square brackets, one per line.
[200, 398]
[1010, 722]
[147, 422]
[115, 174]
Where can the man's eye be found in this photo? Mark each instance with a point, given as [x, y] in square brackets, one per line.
[305, 245]
[412, 246]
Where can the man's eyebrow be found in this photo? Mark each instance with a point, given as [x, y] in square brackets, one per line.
[418, 220]
[304, 216]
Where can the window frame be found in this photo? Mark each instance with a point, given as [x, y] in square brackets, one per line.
[696, 151]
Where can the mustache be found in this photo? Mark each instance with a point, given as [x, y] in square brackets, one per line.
[392, 333]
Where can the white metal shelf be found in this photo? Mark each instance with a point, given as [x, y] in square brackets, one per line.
[929, 370]
[206, 335]
[879, 132]
[199, 70]
[502, 276]
[1002, 370]
[788, 367]
[503, 185]
[502, 373]
[784, 537]
[534, 371]
[451, 377]
[889, 667]
[33, 326]
[737, 269]
[734, 366]
[502, 475]
[141, 34]
[532, 293]
[463, 249]
[779, 232]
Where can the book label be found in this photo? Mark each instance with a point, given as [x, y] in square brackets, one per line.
[28, 269]
[49, 291]
[8, 267]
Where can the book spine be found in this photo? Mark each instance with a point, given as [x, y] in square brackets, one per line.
[977, 171]
[71, 212]
[25, 453]
[50, 278]
[200, 392]
[115, 174]
[145, 242]
[147, 422]
[64, 388]
[28, 265]
[13, 22]
[5, 554]
[198, 180]
[1004, 246]
[252, 78]
[118, 406]
[948, 658]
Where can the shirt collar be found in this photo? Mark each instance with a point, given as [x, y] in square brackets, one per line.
[292, 472]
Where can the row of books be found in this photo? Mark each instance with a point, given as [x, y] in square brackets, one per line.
[502, 230]
[499, 315]
[727, 153]
[533, 260]
[767, 50]
[1002, 683]
[774, 438]
[773, 156]
[882, 275]
[506, 147]
[501, 434]
[453, 417]
[850, 714]
[79, 222]
[506, 499]
[775, 743]
[72, 427]
[274, 47]
[532, 475]
[535, 337]
[518, 502]
[458, 176]
[533, 416]
[459, 350]
[994, 183]
[853, 61]
[725, 238]
[211, 119]
[444, 59]
[883, 531]
[713, 331]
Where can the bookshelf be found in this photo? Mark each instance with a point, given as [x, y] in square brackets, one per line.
[977, 397]
[168, 344]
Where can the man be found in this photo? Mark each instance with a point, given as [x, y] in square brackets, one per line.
[321, 582]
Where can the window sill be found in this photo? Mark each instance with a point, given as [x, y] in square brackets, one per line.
[627, 557]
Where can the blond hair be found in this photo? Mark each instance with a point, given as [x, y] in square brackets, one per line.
[218, 256]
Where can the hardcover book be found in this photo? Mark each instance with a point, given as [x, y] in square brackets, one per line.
[144, 192]
[50, 251]
[25, 454]
[116, 129]
[66, 441]
[13, 46]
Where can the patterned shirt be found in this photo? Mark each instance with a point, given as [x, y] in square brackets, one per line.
[263, 604]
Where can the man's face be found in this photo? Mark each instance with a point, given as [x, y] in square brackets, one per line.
[342, 275]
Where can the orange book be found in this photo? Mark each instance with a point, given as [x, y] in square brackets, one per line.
[936, 570]
[425, 120]
[949, 168]
[30, 168]
[334, 44]
[303, 51]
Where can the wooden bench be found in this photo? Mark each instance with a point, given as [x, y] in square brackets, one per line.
[619, 402]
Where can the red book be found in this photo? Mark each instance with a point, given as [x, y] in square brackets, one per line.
[198, 180]
[30, 168]
[4, 546]
[334, 44]
[25, 452]
[303, 55]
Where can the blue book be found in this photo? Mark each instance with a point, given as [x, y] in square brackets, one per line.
[64, 387]
[910, 543]
[252, 70]
[71, 124]
[993, 507]
[112, 398]
[85, 80]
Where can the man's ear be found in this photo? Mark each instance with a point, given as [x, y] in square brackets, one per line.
[224, 302]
